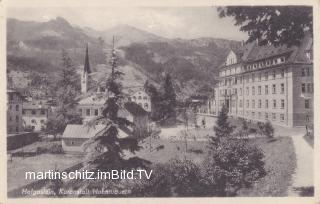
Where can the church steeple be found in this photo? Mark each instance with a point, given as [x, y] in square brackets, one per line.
[86, 62]
[85, 73]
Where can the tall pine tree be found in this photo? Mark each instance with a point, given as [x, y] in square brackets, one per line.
[105, 150]
[222, 127]
[68, 87]
[168, 102]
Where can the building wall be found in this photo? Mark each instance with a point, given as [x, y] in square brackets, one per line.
[302, 115]
[244, 92]
[14, 113]
[89, 112]
[73, 144]
[35, 118]
[18, 79]
[142, 99]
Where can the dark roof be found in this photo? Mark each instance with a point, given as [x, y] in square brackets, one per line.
[296, 53]
[252, 52]
[86, 62]
[135, 109]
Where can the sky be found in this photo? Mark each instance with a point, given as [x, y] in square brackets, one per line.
[171, 22]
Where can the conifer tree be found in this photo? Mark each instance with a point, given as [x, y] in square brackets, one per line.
[222, 127]
[68, 88]
[155, 98]
[105, 150]
[168, 102]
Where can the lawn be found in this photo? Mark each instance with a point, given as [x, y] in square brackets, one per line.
[171, 150]
[280, 163]
[43, 162]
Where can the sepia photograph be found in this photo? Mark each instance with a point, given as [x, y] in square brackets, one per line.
[159, 102]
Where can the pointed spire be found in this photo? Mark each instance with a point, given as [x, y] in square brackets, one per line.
[86, 62]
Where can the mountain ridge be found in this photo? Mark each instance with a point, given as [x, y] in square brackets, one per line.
[192, 62]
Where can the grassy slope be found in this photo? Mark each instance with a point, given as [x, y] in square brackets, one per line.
[280, 163]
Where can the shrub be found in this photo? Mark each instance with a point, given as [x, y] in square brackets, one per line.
[232, 165]
[260, 128]
[196, 151]
[268, 130]
[55, 149]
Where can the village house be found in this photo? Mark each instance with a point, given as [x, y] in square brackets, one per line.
[267, 83]
[136, 115]
[18, 79]
[75, 136]
[142, 99]
[14, 111]
[35, 115]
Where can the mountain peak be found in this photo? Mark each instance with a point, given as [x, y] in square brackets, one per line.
[59, 21]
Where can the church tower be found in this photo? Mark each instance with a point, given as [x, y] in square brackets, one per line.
[85, 73]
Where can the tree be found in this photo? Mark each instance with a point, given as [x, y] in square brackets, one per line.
[222, 127]
[268, 130]
[155, 98]
[277, 25]
[232, 165]
[67, 90]
[168, 100]
[105, 150]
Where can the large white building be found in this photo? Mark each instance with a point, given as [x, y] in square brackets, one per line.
[263, 83]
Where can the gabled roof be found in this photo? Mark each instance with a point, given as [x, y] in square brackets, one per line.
[296, 53]
[94, 99]
[82, 131]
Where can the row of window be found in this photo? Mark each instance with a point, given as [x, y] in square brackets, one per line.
[11, 129]
[265, 63]
[259, 103]
[17, 107]
[274, 102]
[33, 112]
[17, 118]
[253, 66]
[139, 98]
[252, 78]
[306, 71]
[307, 88]
[253, 90]
[87, 111]
[266, 115]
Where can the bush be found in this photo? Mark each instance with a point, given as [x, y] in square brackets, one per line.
[260, 128]
[55, 149]
[232, 165]
[268, 130]
[196, 151]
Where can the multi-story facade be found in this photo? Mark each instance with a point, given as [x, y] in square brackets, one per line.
[18, 79]
[91, 106]
[269, 83]
[35, 115]
[14, 112]
[142, 99]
